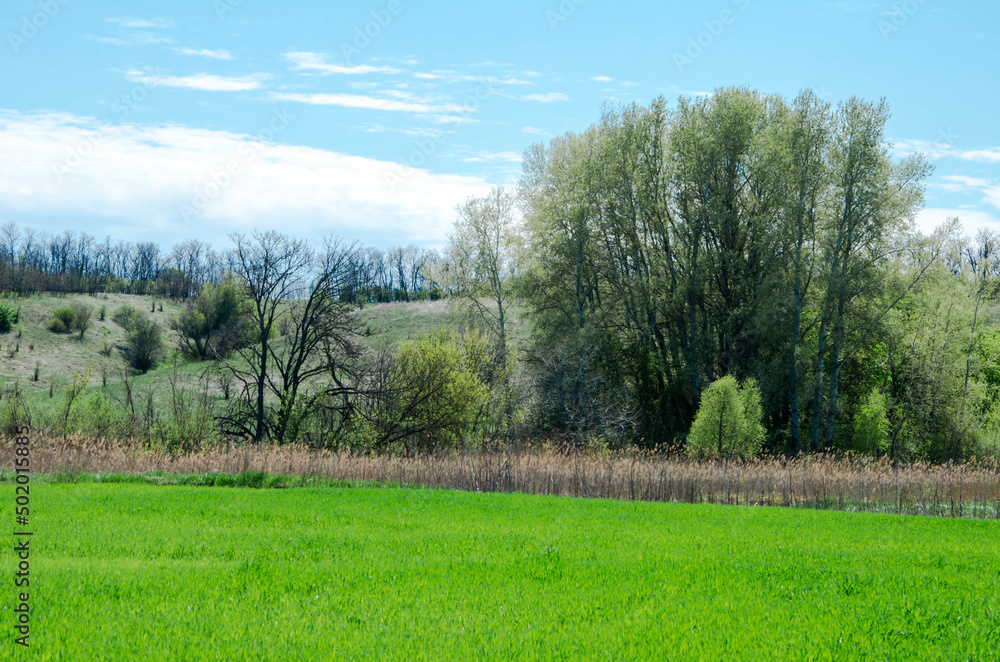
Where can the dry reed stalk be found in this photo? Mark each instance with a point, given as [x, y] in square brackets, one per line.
[817, 481]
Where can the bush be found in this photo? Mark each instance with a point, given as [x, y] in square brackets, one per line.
[143, 344]
[63, 320]
[425, 397]
[728, 422]
[8, 317]
[871, 425]
[126, 317]
[82, 318]
[213, 324]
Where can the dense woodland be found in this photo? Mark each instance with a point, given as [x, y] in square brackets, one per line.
[733, 275]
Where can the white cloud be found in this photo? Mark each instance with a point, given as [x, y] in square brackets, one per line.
[416, 132]
[989, 155]
[316, 62]
[972, 219]
[602, 79]
[551, 97]
[937, 150]
[139, 178]
[204, 52]
[512, 157]
[960, 183]
[535, 131]
[209, 82]
[453, 77]
[127, 22]
[993, 196]
[365, 102]
[140, 39]
[454, 119]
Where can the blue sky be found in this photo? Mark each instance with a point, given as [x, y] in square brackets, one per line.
[372, 120]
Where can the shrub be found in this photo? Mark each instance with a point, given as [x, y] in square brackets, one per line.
[143, 344]
[83, 318]
[871, 425]
[213, 324]
[425, 396]
[102, 313]
[126, 317]
[63, 320]
[728, 422]
[8, 317]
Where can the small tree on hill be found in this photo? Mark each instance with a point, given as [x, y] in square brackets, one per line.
[143, 344]
[728, 422]
[83, 318]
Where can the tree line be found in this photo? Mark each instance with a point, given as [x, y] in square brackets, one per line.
[769, 241]
[76, 262]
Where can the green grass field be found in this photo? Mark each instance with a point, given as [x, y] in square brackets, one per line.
[133, 571]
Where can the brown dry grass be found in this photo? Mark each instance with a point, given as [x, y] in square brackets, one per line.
[844, 483]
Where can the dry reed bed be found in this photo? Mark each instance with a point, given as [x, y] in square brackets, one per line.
[819, 481]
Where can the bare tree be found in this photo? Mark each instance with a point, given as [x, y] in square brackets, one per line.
[272, 269]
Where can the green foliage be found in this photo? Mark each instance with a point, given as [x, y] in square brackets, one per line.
[127, 316]
[8, 317]
[143, 343]
[214, 323]
[728, 423]
[63, 320]
[438, 390]
[82, 318]
[429, 397]
[96, 415]
[123, 561]
[871, 425]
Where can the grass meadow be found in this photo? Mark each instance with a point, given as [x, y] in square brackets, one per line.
[134, 571]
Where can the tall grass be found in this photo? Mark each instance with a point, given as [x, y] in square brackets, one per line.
[818, 481]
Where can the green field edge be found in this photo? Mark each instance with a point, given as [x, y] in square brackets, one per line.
[266, 480]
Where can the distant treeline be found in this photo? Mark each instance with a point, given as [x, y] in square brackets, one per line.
[77, 262]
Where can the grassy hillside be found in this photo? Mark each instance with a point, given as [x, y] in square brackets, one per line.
[133, 571]
[58, 357]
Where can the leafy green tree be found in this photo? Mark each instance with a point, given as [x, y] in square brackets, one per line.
[143, 344]
[871, 425]
[728, 422]
[424, 396]
[214, 323]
